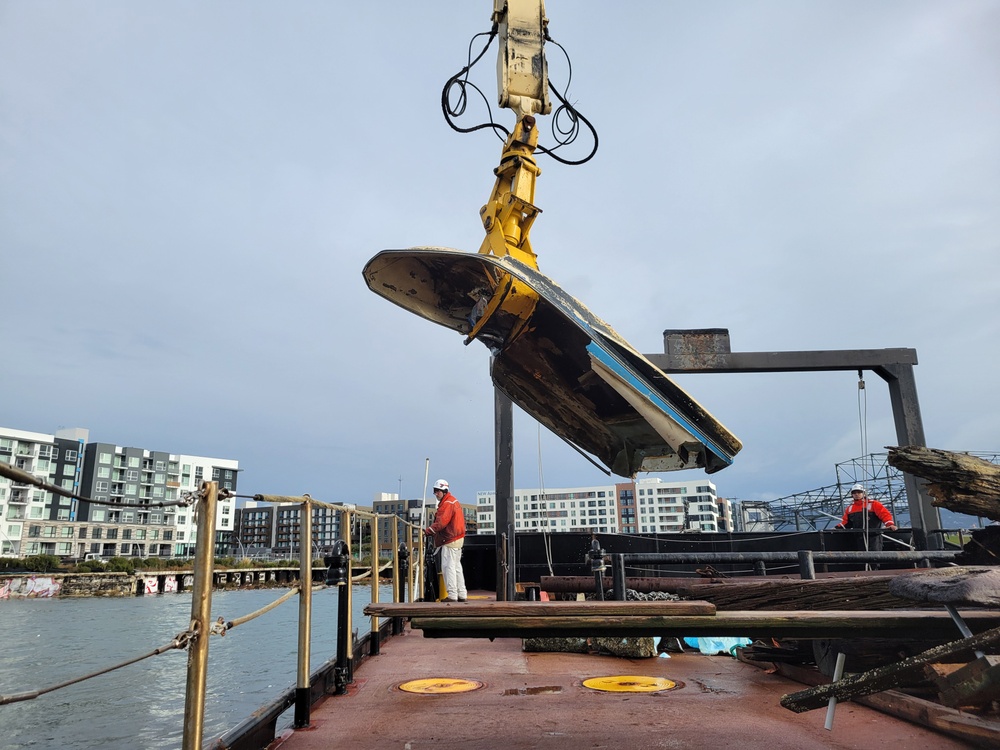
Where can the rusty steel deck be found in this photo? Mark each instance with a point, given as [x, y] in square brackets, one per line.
[537, 700]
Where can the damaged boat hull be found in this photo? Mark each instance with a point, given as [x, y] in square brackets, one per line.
[562, 365]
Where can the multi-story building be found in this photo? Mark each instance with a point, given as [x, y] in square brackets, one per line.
[644, 506]
[573, 509]
[253, 530]
[389, 503]
[132, 481]
[263, 529]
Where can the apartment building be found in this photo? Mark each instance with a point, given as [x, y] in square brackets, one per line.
[644, 506]
[263, 529]
[132, 481]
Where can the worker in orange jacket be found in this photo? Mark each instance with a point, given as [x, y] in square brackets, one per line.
[867, 515]
[448, 531]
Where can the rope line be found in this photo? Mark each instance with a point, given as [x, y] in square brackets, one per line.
[23, 477]
[266, 608]
[180, 641]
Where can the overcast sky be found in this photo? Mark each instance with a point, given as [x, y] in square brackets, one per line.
[189, 191]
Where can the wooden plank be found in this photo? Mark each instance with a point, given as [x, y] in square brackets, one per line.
[981, 731]
[883, 678]
[537, 609]
[819, 594]
[751, 624]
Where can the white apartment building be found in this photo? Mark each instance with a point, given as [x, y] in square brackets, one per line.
[132, 481]
[645, 506]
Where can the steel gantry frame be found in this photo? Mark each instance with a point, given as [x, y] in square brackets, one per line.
[708, 350]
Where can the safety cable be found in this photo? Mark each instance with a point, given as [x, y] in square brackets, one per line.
[863, 422]
[22, 477]
[546, 536]
[180, 641]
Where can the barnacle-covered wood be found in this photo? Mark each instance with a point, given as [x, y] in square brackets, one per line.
[956, 481]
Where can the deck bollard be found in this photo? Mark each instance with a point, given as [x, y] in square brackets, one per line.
[597, 566]
[618, 576]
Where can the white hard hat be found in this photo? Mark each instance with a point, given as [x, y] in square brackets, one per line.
[857, 488]
[441, 484]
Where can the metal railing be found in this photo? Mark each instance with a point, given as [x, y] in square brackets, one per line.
[334, 676]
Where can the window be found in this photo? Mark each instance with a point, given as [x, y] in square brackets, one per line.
[65, 548]
[215, 475]
[14, 531]
[126, 533]
[131, 489]
[161, 466]
[71, 456]
[35, 511]
[96, 534]
[181, 520]
[67, 484]
[180, 536]
[112, 533]
[168, 535]
[66, 531]
[63, 514]
[101, 487]
[132, 475]
[133, 462]
[98, 514]
[105, 458]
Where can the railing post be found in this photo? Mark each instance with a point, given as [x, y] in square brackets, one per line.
[201, 613]
[375, 638]
[400, 569]
[807, 569]
[302, 696]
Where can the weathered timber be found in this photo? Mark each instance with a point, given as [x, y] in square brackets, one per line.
[974, 684]
[983, 732]
[970, 586]
[535, 609]
[958, 482]
[901, 673]
[919, 625]
[820, 594]
[586, 584]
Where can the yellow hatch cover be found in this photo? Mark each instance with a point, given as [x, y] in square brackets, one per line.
[440, 686]
[629, 684]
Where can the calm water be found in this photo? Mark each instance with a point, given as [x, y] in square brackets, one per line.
[47, 641]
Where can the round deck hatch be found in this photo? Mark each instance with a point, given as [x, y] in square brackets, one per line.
[440, 686]
[629, 684]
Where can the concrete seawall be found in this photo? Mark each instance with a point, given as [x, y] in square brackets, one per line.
[65, 585]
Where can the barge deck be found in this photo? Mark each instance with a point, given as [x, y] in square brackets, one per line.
[538, 700]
